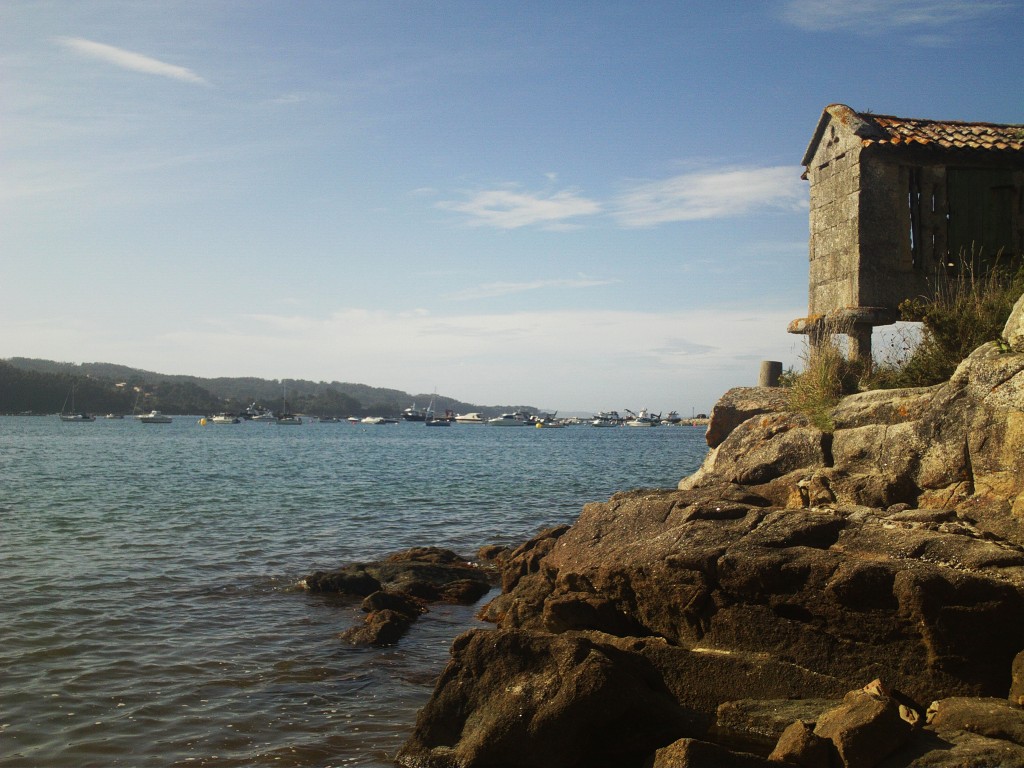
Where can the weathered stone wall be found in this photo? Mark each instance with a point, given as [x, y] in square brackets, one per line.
[834, 174]
[887, 216]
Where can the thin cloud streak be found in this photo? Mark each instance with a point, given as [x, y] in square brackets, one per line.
[712, 195]
[876, 16]
[492, 290]
[134, 62]
[510, 209]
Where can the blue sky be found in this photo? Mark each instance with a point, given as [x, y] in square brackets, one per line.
[575, 205]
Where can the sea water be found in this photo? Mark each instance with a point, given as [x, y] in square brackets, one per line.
[149, 607]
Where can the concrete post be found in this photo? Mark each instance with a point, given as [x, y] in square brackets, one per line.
[771, 370]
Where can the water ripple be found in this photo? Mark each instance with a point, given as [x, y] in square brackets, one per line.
[148, 578]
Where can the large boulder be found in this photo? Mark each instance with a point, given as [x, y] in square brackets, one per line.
[739, 405]
[846, 592]
[957, 445]
[516, 699]
[795, 565]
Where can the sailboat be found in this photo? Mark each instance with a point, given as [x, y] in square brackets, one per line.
[73, 415]
[430, 421]
[284, 418]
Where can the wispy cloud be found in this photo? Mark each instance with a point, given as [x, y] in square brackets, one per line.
[874, 16]
[512, 209]
[135, 62]
[711, 195]
[687, 197]
[491, 290]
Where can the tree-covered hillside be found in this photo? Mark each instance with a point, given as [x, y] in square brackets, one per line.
[44, 386]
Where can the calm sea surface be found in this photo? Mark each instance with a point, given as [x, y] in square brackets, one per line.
[148, 608]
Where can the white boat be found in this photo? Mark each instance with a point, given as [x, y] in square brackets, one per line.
[284, 418]
[225, 418]
[77, 417]
[155, 417]
[431, 421]
[114, 416]
[470, 418]
[509, 420]
[73, 415]
[548, 422]
[258, 413]
[372, 420]
[643, 419]
[607, 419]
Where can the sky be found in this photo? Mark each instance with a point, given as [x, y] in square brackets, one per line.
[580, 206]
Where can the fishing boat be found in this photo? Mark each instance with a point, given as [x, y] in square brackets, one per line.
[257, 412]
[606, 419]
[643, 419]
[413, 414]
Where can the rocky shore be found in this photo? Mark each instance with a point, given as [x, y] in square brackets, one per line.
[853, 598]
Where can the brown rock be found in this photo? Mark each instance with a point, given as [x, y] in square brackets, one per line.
[739, 404]
[869, 725]
[800, 745]
[989, 717]
[527, 700]
[693, 753]
[384, 627]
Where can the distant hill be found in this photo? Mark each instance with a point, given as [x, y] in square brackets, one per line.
[42, 386]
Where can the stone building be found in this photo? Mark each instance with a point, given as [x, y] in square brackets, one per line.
[897, 201]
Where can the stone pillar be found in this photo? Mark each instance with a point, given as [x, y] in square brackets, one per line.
[860, 344]
[771, 370]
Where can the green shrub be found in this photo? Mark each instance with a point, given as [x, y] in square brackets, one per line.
[967, 308]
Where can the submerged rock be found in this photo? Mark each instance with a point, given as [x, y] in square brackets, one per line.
[398, 589]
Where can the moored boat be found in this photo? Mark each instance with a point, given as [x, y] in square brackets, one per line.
[155, 417]
[225, 418]
[517, 419]
[469, 418]
[413, 414]
[643, 419]
[73, 415]
[606, 419]
[77, 417]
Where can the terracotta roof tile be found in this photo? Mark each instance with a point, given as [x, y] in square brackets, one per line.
[949, 133]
